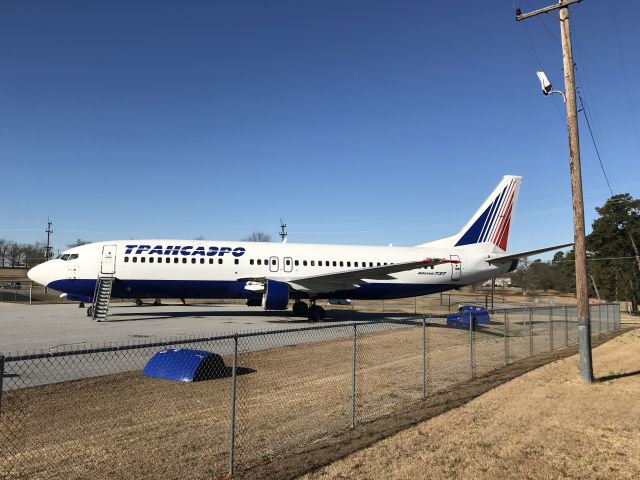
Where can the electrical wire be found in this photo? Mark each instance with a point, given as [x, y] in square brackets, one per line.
[625, 76]
[595, 146]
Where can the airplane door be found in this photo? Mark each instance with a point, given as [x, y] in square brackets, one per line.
[108, 260]
[288, 264]
[274, 264]
[456, 268]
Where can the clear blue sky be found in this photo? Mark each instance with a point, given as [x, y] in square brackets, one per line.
[355, 121]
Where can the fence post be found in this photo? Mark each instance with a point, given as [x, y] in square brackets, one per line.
[551, 329]
[30, 293]
[566, 326]
[424, 357]
[1, 380]
[353, 378]
[607, 306]
[471, 343]
[599, 320]
[506, 341]
[233, 404]
[531, 331]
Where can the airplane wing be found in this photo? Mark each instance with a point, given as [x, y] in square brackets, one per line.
[330, 282]
[515, 256]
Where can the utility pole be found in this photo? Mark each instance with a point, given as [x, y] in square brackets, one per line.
[582, 296]
[283, 232]
[48, 247]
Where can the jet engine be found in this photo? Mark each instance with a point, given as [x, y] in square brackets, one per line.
[276, 295]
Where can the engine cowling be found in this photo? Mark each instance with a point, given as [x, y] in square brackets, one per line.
[276, 296]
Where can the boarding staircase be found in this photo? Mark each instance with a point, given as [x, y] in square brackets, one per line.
[101, 297]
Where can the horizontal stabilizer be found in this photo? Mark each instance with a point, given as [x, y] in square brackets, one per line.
[515, 256]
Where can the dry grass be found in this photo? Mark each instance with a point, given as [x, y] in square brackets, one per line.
[545, 424]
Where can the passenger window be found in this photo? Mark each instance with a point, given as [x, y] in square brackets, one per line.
[251, 262]
[313, 263]
[342, 264]
[150, 259]
[296, 263]
[355, 264]
[304, 263]
[126, 259]
[142, 259]
[134, 259]
[211, 261]
[259, 261]
[236, 261]
[348, 264]
[288, 262]
[319, 263]
[184, 260]
[220, 261]
[273, 262]
[371, 264]
[378, 263]
[176, 260]
[201, 260]
[334, 263]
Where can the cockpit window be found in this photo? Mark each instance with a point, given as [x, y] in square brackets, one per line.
[64, 257]
[73, 256]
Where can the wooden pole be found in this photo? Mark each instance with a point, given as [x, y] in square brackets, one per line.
[582, 296]
[584, 324]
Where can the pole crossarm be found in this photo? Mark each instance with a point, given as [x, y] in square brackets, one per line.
[560, 4]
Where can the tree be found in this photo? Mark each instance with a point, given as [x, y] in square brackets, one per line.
[521, 276]
[257, 236]
[77, 243]
[614, 245]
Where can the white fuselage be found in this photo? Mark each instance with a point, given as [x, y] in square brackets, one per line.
[205, 269]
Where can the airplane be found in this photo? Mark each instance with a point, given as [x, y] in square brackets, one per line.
[270, 274]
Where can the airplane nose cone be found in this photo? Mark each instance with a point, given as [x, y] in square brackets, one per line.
[38, 274]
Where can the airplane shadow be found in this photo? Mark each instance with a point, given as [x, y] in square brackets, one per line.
[276, 317]
[618, 375]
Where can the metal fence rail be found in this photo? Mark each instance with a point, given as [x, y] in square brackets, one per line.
[77, 412]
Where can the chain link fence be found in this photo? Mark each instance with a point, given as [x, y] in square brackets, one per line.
[90, 413]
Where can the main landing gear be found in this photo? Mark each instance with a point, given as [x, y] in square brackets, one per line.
[315, 313]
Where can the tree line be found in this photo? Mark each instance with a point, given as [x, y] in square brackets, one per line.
[613, 258]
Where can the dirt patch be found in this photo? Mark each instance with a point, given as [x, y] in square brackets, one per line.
[545, 424]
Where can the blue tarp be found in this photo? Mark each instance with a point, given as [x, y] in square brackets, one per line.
[478, 315]
[185, 365]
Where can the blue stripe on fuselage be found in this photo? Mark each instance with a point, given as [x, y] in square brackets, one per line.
[233, 289]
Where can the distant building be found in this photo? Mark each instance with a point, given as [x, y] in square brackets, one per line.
[500, 282]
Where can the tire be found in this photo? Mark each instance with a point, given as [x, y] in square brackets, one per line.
[315, 313]
[138, 302]
[90, 311]
[300, 308]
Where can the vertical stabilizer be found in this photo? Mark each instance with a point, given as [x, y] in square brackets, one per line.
[490, 224]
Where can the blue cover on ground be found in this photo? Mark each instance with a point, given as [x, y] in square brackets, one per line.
[465, 312]
[185, 365]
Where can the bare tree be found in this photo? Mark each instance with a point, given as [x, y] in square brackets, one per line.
[78, 242]
[257, 236]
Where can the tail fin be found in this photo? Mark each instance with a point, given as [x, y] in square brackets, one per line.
[491, 223]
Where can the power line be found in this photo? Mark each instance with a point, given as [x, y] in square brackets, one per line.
[625, 76]
[586, 117]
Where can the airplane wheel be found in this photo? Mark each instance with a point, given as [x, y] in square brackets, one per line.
[138, 301]
[300, 308]
[315, 313]
[90, 311]
[157, 302]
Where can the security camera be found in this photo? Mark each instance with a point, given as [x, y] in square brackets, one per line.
[544, 83]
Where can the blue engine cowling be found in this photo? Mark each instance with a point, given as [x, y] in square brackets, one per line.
[276, 296]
